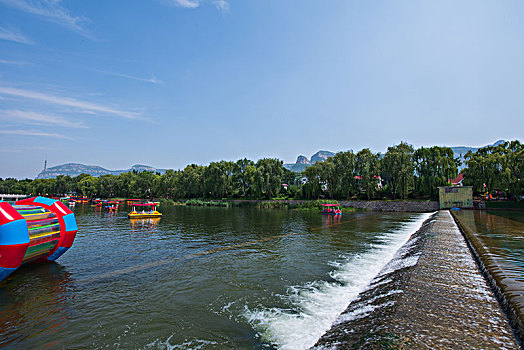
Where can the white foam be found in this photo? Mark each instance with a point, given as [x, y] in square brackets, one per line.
[317, 305]
[187, 344]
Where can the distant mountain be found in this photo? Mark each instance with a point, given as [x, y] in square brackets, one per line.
[302, 162]
[74, 169]
[460, 151]
[321, 156]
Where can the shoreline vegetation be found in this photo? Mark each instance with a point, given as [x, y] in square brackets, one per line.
[401, 173]
[260, 204]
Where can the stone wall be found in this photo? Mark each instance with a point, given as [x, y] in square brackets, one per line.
[396, 206]
[399, 206]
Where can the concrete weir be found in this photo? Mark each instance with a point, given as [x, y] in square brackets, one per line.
[430, 296]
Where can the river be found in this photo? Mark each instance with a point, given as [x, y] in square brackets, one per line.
[200, 278]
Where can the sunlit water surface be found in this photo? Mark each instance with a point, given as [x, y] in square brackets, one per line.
[199, 278]
[501, 236]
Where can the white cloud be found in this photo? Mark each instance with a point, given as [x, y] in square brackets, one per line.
[51, 11]
[14, 35]
[222, 5]
[33, 133]
[15, 63]
[39, 119]
[152, 80]
[84, 106]
[186, 3]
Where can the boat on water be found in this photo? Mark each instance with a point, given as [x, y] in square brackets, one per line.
[97, 203]
[111, 205]
[79, 199]
[331, 209]
[144, 214]
[131, 201]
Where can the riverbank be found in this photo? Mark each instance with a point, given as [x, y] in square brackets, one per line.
[431, 295]
[409, 206]
[373, 205]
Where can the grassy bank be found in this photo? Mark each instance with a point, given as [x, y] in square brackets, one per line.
[313, 205]
[316, 205]
[204, 203]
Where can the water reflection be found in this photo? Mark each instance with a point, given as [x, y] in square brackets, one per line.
[187, 277]
[35, 304]
[331, 220]
[144, 223]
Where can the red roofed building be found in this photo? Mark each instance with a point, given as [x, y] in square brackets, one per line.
[458, 180]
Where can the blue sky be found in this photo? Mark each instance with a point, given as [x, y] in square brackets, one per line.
[172, 82]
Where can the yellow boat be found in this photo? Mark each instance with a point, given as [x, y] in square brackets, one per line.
[144, 214]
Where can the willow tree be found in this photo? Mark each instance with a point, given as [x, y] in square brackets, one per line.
[243, 174]
[367, 168]
[434, 167]
[312, 189]
[344, 186]
[192, 181]
[497, 168]
[268, 177]
[398, 170]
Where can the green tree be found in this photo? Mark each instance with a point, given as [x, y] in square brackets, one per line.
[497, 168]
[312, 189]
[242, 173]
[192, 181]
[344, 186]
[87, 186]
[398, 170]
[367, 166]
[434, 167]
[268, 177]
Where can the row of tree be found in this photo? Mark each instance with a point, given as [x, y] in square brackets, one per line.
[402, 172]
[244, 178]
[497, 168]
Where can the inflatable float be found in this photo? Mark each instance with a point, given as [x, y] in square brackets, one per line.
[34, 230]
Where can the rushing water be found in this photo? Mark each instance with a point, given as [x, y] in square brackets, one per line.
[502, 234]
[499, 235]
[431, 295]
[199, 278]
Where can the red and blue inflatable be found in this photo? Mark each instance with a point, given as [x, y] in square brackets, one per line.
[34, 230]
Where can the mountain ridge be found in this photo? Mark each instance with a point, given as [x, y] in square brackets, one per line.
[302, 162]
[75, 169]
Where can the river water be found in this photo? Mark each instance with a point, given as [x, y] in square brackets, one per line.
[200, 278]
[499, 236]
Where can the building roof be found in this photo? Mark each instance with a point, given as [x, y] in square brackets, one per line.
[458, 180]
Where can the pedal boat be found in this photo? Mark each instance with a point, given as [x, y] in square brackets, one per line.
[331, 209]
[144, 214]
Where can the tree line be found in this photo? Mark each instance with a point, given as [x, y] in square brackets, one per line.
[402, 172]
[497, 168]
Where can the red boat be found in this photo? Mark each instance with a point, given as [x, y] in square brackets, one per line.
[331, 209]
